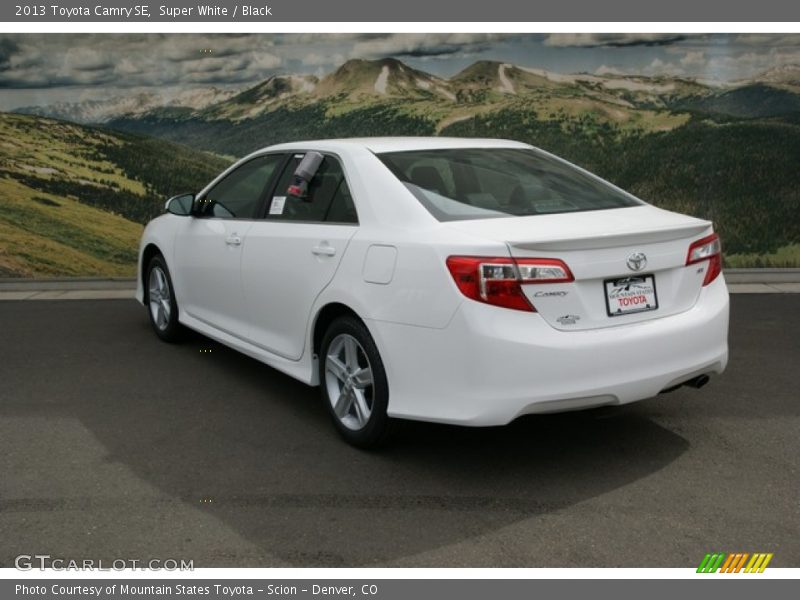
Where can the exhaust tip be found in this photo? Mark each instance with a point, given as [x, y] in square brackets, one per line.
[698, 381]
[694, 382]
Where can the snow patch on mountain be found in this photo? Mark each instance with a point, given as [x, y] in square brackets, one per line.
[447, 94]
[506, 86]
[635, 86]
[304, 85]
[382, 80]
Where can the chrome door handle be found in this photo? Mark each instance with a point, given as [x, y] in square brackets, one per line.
[233, 240]
[323, 250]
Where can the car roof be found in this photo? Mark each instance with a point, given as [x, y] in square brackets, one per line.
[398, 144]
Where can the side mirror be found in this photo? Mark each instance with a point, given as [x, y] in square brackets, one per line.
[180, 205]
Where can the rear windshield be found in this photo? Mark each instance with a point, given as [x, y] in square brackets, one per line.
[481, 183]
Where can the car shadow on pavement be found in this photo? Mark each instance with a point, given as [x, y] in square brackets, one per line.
[234, 440]
[275, 470]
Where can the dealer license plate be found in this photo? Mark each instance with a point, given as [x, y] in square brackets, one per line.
[631, 295]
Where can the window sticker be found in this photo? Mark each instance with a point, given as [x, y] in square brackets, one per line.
[276, 206]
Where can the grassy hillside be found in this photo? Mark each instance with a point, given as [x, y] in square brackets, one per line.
[73, 199]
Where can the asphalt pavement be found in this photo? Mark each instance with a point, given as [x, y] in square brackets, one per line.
[116, 445]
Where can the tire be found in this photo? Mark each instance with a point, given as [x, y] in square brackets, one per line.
[162, 308]
[353, 383]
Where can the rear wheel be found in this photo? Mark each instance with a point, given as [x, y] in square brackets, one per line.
[161, 304]
[353, 383]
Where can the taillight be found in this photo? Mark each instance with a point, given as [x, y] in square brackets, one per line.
[709, 248]
[499, 281]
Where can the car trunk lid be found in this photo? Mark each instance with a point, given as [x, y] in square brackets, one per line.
[629, 264]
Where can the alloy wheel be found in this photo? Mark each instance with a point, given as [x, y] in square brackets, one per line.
[159, 298]
[348, 377]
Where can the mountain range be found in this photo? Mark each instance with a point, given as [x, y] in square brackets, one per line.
[96, 111]
[388, 97]
[728, 153]
[482, 86]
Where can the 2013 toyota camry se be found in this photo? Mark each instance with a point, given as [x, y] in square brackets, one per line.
[454, 280]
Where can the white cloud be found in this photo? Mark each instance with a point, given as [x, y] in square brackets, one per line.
[264, 61]
[424, 44]
[128, 60]
[743, 65]
[655, 68]
[608, 70]
[316, 59]
[84, 58]
[660, 67]
[694, 58]
[761, 40]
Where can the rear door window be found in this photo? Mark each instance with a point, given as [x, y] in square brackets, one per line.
[328, 197]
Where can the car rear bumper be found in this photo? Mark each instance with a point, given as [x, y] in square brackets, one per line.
[491, 365]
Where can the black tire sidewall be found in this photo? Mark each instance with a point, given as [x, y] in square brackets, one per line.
[171, 333]
[374, 432]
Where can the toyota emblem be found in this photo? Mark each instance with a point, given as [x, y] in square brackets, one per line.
[637, 261]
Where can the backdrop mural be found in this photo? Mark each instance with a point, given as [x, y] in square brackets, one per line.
[97, 130]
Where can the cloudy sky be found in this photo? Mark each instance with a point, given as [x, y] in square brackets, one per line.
[46, 68]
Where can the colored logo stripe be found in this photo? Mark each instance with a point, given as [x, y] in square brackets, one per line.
[758, 563]
[734, 562]
[710, 563]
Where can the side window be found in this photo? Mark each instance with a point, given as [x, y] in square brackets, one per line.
[238, 196]
[342, 209]
[328, 197]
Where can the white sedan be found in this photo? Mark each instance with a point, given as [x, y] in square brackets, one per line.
[461, 281]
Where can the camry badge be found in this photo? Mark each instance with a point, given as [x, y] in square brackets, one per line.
[637, 261]
[559, 294]
[568, 319]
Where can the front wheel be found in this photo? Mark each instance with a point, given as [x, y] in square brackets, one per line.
[161, 304]
[353, 383]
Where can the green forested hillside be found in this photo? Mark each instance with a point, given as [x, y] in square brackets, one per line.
[284, 124]
[73, 199]
[745, 102]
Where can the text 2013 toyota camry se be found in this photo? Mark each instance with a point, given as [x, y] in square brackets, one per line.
[454, 280]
